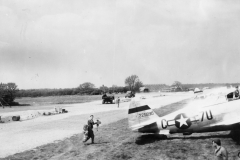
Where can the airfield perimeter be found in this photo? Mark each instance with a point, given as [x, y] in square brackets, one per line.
[113, 141]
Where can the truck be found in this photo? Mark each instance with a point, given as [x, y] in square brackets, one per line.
[107, 99]
[129, 94]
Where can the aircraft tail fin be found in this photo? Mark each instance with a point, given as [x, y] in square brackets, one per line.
[140, 115]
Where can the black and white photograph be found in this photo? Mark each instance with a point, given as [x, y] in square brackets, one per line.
[119, 79]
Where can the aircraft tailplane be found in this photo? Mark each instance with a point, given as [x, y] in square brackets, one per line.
[140, 115]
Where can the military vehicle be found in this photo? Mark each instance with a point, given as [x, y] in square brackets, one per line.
[107, 99]
[129, 94]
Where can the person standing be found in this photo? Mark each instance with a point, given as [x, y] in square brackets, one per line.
[220, 153]
[118, 101]
[236, 93]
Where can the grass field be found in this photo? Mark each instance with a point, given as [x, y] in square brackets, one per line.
[116, 141]
[39, 101]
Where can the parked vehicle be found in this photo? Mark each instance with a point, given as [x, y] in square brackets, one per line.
[129, 94]
[107, 99]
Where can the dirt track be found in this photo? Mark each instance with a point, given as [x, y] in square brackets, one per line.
[20, 136]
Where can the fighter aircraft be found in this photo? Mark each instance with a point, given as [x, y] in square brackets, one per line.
[212, 111]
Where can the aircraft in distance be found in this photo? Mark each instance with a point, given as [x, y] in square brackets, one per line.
[212, 111]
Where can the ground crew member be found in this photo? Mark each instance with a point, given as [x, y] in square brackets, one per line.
[90, 129]
[220, 152]
[118, 101]
[236, 93]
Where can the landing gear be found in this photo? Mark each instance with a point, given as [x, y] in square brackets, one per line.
[235, 135]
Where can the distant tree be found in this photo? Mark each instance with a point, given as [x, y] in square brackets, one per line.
[8, 91]
[104, 88]
[2, 89]
[133, 82]
[86, 85]
[114, 88]
[177, 84]
[137, 86]
[120, 89]
[86, 88]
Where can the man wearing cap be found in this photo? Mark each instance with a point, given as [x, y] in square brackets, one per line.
[236, 93]
[220, 152]
[90, 129]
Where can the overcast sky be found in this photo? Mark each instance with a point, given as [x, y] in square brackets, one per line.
[63, 43]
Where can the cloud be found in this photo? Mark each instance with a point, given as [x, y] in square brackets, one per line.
[104, 42]
[4, 44]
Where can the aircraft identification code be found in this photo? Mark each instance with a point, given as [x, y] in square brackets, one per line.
[145, 114]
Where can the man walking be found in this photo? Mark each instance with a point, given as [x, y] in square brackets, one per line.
[220, 152]
[90, 133]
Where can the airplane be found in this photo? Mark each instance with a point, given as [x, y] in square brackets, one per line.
[210, 112]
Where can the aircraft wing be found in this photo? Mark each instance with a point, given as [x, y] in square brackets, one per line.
[226, 122]
[217, 91]
[228, 119]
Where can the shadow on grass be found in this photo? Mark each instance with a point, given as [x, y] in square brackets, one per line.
[96, 143]
[107, 104]
[24, 105]
[15, 105]
[151, 138]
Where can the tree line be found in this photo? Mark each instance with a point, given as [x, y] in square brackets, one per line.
[10, 91]
[88, 88]
[69, 91]
[132, 83]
